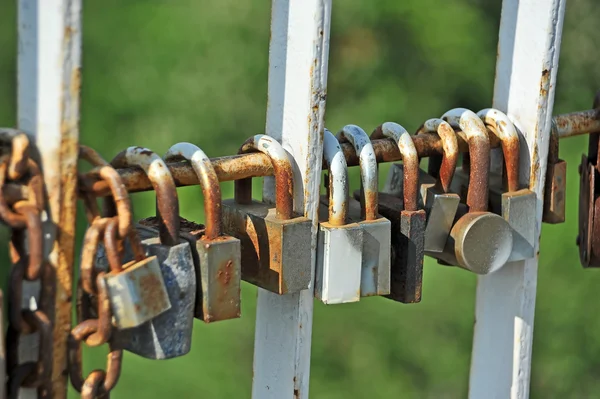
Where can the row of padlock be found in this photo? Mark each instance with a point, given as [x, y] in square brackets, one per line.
[373, 243]
[369, 243]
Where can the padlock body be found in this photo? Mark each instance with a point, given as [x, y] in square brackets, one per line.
[168, 335]
[441, 210]
[276, 253]
[482, 242]
[376, 252]
[408, 228]
[519, 210]
[220, 273]
[138, 293]
[555, 193]
[339, 263]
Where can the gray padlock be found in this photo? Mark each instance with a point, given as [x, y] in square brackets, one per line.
[441, 204]
[219, 263]
[376, 253]
[408, 221]
[339, 243]
[170, 334]
[518, 206]
[276, 243]
[480, 241]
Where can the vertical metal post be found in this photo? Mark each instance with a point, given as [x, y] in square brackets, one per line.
[49, 62]
[528, 50]
[298, 59]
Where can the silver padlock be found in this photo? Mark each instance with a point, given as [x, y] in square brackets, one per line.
[339, 243]
[480, 241]
[376, 252]
[518, 206]
[276, 243]
[408, 221]
[440, 203]
[170, 334]
[219, 256]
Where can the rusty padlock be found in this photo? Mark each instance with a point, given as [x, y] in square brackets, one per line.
[170, 334]
[219, 260]
[275, 243]
[588, 239]
[407, 220]
[440, 203]
[339, 243]
[376, 252]
[480, 241]
[517, 206]
[556, 183]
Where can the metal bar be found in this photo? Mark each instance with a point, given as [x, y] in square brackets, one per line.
[298, 58]
[238, 167]
[48, 109]
[528, 51]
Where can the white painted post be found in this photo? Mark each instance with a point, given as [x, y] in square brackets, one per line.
[528, 50]
[48, 109]
[298, 60]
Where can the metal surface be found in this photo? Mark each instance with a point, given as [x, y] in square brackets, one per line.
[275, 243]
[409, 228]
[376, 248]
[339, 257]
[218, 256]
[556, 183]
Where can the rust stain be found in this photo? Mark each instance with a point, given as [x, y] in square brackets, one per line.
[151, 289]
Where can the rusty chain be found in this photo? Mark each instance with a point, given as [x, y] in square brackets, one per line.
[24, 217]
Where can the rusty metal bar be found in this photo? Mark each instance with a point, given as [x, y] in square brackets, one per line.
[238, 167]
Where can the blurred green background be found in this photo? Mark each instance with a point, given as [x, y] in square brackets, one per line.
[156, 72]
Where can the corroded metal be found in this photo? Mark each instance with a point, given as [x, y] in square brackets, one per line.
[556, 184]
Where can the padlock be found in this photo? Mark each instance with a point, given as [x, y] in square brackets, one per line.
[556, 183]
[275, 243]
[219, 263]
[136, 290]
[441, 205]
[588, 239]
[170, 334]
[407, 221]
[376, 250]
[517, 206]
[480, 241]
[339, 243]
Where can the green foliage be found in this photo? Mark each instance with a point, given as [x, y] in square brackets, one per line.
[158, 72]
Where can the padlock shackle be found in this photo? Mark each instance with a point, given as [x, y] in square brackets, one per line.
[449, 146]
[500, 125]
[410, 160]
[284, 175]
[479, 155]
[368, 168]
[338, 179]
[167, 203]
[111, 246]
[209, 182]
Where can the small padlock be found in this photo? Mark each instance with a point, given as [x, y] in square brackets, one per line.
[556, 183]
[441, 205]
[137, 291]
[376, 252]
[517, 206]
[219, 263]
[275, 243]
[170, 334]
[407, 221]
[339, 243]
[588, 239]
[480, 241]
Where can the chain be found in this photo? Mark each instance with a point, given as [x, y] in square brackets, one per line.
[29, 264]
[95, 329]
